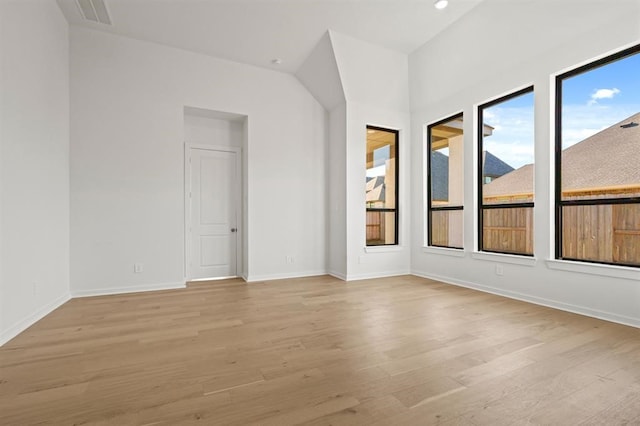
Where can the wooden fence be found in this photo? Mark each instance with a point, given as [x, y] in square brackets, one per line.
[605, 233]
[602, 233]
[375, 228]
[440, 228]
[508, 230]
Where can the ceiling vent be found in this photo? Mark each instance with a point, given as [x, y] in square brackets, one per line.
[94, 11]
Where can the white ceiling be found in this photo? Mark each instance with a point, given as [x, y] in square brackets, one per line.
[258, 31]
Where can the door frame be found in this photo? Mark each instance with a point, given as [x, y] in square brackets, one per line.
[188, 255]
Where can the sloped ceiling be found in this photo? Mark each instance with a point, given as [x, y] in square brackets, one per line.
[258, 31]
[320, 75]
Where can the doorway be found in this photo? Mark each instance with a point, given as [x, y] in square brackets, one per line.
[215, 177]
[213, 212]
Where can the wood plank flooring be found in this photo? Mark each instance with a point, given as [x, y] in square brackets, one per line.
[319, 351]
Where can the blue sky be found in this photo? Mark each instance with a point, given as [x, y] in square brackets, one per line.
[380, 156]
[592, 101]
[512, 138]
[599, 98]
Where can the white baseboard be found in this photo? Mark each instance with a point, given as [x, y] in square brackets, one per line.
[370, 275]
[31, 319]
[131, 289]
[271, 277]
[581, 310]
[338, 275]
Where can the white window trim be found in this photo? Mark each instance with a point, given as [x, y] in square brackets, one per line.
[605, 270]
[513, 259]
[383, 249]
[595, 268]
[444, 251]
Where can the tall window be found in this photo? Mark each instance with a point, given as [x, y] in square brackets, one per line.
[382, 186]
[445, 186]
[598, 161]
[505, 174]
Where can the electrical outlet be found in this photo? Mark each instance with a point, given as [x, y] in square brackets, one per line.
[35, 288]
[289, 259]
[499, 270]
[138, 268]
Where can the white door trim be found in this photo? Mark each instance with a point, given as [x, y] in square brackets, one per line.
[187, 204]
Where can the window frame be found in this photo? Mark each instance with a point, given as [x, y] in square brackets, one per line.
[430, 207]
[480, 165]
[559, 203]
[395, 210]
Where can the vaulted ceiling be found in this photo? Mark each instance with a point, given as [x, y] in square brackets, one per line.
[257, 32]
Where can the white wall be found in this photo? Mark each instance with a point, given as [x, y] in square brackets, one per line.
[202, 130]
[367, 262]
[375, 82]
[526, 43]
[127, 100]
[320, 75]
[34, 163]
[337, 192]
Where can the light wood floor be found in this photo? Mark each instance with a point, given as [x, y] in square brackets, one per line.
[319, 351]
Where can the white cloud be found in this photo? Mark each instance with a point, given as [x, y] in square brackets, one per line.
[513, 133]
[571, 136]
[488, 114]
[512, 139]
[515, 154]
[581, 121]
[603, 94]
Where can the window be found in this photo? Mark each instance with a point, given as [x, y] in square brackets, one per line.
[382, 186]
[598, 161]
[505, 174]
[445, 186]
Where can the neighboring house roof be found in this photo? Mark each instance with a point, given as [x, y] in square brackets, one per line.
[614, 148]
[520, 181]
[493, 166]
[439, 176]
[587, 164]
[375, 189]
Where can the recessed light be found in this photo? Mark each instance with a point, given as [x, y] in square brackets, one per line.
[441, 4]
[276, 61]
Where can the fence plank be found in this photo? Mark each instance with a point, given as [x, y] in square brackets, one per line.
[508, 230]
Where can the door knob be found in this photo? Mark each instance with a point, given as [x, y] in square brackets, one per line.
[234, 229]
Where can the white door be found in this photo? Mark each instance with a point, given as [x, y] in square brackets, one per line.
[214, 199]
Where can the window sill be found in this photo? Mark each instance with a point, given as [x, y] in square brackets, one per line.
[513, 259]
[444, 251]
[382, 249]
[595, 269]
